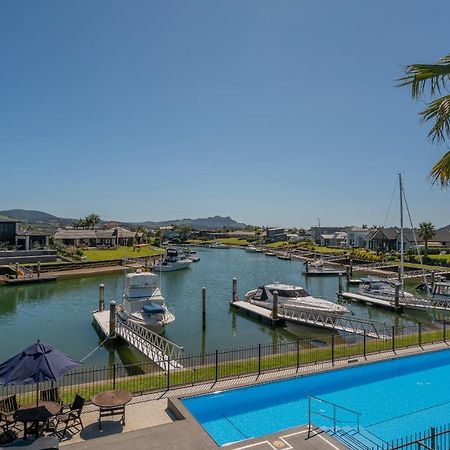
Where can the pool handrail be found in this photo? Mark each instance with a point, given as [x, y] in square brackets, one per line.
[334, 418]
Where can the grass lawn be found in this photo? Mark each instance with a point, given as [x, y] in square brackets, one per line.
[234, 241]
[278, 244]
[121, 252]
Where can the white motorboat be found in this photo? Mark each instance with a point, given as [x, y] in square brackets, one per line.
[217, 244]
[143, 302]
[172, 261]
[292, 297]
[318, 268]
[382, 289]
[251, 249]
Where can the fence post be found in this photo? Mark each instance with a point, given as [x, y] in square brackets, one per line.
[420, 334]
[217, 365]
[332, 349]
[364, 344]
[168, 373]
[393, 338]
[433, 438]
[309, 416]
[259, 359]
[114, 375]
[298, 353]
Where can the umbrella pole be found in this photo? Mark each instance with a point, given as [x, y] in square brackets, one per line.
[37, 394]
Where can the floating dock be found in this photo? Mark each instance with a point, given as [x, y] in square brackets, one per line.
[161, 351]
[29, 280]
[324, 273]
[370, 300]
[334, 322]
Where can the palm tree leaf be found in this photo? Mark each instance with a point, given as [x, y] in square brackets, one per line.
[439, 111]
[440, 173]
[419, 75]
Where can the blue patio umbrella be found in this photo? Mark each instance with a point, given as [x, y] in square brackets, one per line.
[37, 363]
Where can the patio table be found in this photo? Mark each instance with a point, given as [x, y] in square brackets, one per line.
[111, 403]
[36, 414]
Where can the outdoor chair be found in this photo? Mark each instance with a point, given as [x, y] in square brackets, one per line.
[51, 395]
[70, 418]
[8, 406]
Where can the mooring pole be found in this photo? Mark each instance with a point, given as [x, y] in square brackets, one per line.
[112, 319]
[39, 269]
[275, 305]
[203, 308]
[306, 266]
[347, 273]
[17, 271]
[351, 267]
[340, 283]
[397, 296]
[101, 297]
[234, 291]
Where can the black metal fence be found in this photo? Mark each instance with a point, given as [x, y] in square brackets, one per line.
[189, 370]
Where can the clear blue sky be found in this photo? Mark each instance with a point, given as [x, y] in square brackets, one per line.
[272, 112]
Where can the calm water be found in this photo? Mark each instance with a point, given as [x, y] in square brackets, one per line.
[60, 313]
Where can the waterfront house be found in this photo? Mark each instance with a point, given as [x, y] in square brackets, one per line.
[11, 236]
[356, 236]
[97, 238]
[276, 234]
[382, 239]
[336, 239]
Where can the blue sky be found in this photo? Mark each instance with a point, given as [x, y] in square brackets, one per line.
[271, 112]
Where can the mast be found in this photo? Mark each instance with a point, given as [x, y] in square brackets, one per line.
[402, 253]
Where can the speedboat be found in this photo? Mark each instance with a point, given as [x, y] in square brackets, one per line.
[318, 268]
[382, 289]
[251, 249]
[217, 244]
[270, 254]
[292, 297]
[143, 302]
[172, 262]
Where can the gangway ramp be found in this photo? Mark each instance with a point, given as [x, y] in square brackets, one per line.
[161, 351]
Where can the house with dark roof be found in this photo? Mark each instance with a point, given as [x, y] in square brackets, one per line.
[97, 238]
[382, 239]
[11, 236]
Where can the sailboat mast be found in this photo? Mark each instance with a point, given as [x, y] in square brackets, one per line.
[402, 253]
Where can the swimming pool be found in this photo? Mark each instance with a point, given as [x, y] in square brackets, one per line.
[394, 398]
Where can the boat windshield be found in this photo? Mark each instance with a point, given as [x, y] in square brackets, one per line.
[291, 293]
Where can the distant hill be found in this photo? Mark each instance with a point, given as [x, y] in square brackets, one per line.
[44, 220]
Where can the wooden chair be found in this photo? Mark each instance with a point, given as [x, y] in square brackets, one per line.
[71, 418]
[8, 406]
[50, 395]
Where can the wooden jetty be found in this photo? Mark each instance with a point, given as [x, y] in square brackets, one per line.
[161, 351]
[29, 280]
[330, 321]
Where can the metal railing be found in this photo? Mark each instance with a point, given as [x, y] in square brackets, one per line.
[302, 355]
[335, 409]
[435, 439]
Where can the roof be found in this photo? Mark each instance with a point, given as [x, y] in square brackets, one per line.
[8, 220]
[63, 233]
[33, 233]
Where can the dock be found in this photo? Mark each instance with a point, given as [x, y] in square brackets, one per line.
[369, 300]
[330, 321]
[160, 350]
[265, 315]
[28, 280]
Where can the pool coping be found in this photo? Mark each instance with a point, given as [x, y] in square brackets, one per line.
[177, 407]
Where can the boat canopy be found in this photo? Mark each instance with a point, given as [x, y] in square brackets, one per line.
[153, 308]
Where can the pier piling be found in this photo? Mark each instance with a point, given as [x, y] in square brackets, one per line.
[397, 296]
[203, 308]
[101, 297]
[351, 267]
[347, 273]
[306, 266]
[234, 291]
[340, 283]
[112, 319]
[39, 269]
[275, 305]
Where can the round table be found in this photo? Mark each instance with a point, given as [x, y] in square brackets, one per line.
[111, 403]
[36, 414]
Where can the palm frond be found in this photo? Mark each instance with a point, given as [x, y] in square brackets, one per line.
[440, 173]
[419, 75]
[439, 111]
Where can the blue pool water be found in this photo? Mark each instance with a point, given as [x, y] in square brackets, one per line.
[394, 398]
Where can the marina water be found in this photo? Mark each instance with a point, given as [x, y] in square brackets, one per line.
[60, 313]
